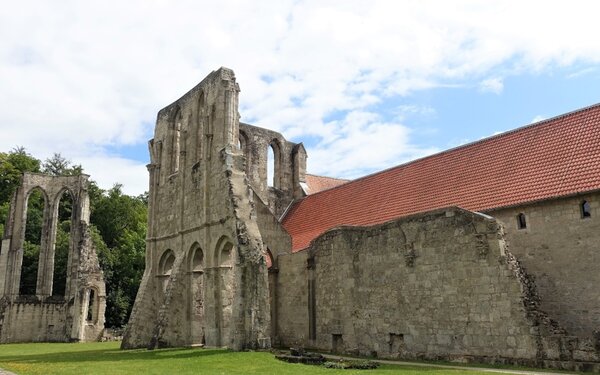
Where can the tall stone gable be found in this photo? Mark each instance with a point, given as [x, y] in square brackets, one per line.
[205, 280]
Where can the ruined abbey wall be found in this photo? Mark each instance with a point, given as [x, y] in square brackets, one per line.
[78, 315]
[289, 169]
[206, 280]
[439, 285]
[436, 285]
[561, 248]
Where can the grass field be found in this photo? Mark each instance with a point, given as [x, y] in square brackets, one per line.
[107, 358]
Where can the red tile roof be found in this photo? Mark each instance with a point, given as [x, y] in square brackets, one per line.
[320, 183]
[552, 158]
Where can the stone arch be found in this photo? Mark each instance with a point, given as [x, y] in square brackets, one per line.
[223, 289]
[165, 268]
[274, 166]
[33, 245]
[272, 283]
[92, 305]
[196, 294]
[224, 252]
[175, 129]
[196, 258]
[165, 265]
[199, 131]
[60, 254]
[243, 144]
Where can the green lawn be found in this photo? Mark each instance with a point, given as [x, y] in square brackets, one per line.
[107, 358]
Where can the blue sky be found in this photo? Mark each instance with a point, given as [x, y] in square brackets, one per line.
[365, 85]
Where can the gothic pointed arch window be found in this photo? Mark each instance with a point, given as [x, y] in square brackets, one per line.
[35, 213]
[62, 247]
[274, 164]
[92, 306]
[165, 268]
[175, 140]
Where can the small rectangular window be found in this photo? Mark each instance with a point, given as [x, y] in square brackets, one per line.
[521, 221]
[586, 210]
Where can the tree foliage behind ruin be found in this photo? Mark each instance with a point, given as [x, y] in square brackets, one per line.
[118, 229]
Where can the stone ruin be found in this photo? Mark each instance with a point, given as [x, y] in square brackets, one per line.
[221, 270]
[206, 280]
[78, 315]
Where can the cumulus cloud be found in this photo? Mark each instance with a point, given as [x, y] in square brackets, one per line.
[82, 77]
[493, 85]
[364, 143]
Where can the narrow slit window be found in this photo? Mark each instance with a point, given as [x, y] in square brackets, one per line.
[271, 166]
[521, 221]
[91, 306]
[586, 210]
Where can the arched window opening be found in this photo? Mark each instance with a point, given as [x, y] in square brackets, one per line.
[91, 310]
[201, 101]
[586, 210]
[225, 256]
[242, 142]
[270, 166]
[243, 145]
[166, 263]
[165, 268]
[521, 221]
[62, 244]
[197, 264]
[175, 146]
[36, 205]
[224, 252]
[196, 290]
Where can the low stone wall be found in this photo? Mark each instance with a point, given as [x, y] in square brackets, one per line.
[50, 321]
[439, 285]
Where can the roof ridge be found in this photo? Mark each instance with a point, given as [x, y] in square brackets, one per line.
[483, 140]
[332, 178]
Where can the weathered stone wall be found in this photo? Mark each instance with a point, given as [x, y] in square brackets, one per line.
[289, 166]
[292, 302]
[45, 322]
[439, 285]
[44, 317]
[206, 278]
[561, 249]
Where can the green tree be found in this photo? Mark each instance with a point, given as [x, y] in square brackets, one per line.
[58, 165]
[12, 166]
[121, 221]
[61, 257]
[29, 270]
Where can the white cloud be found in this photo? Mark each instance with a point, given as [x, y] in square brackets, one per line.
[364, 143]
[538, 118]
[80, 76]
[493, 85]
[133, 175]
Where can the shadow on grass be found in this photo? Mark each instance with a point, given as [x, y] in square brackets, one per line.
[51, 358]
[110, 355]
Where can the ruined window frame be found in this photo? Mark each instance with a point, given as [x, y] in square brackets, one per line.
[92, 306]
